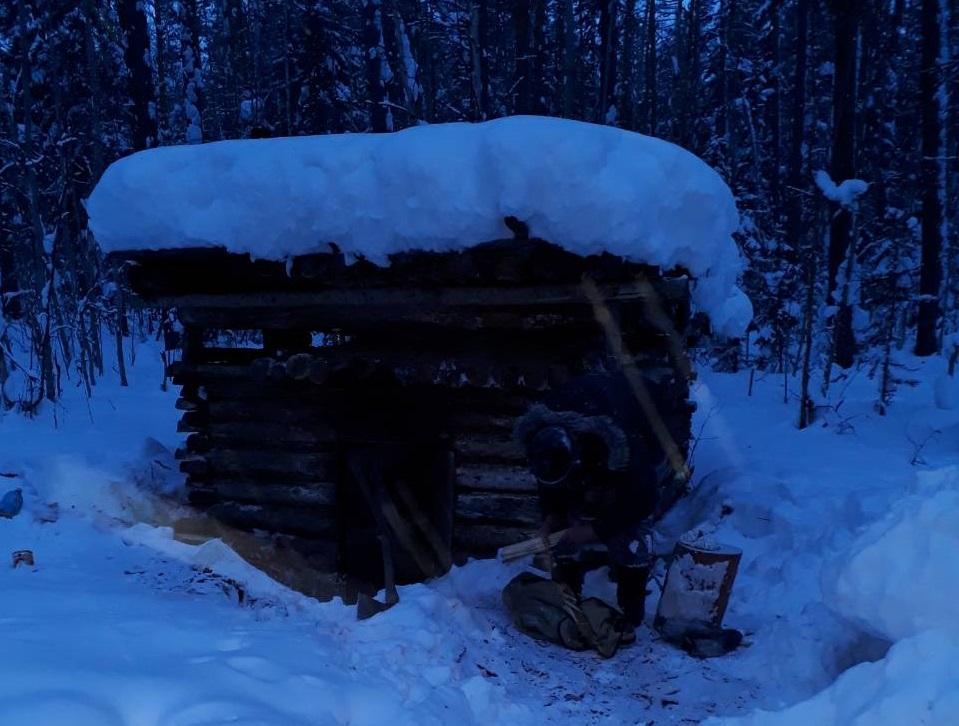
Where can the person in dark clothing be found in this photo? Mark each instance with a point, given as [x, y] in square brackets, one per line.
[596, 462]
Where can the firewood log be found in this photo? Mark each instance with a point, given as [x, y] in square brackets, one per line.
[534, 546]
[298, 366]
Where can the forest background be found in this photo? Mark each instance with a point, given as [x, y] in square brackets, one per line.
[786, 99]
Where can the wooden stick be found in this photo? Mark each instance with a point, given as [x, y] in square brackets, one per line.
[533, 546]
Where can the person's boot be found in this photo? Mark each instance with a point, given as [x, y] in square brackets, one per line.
[699, 638]
[570, 573]
[631, 593]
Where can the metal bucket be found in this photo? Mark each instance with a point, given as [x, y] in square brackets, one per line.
[698, 583]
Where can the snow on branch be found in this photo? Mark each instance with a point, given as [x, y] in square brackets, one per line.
[845, 194]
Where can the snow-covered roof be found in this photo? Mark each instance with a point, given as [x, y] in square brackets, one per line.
[585, 187]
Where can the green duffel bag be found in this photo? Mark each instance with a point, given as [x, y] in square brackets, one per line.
[550, 611]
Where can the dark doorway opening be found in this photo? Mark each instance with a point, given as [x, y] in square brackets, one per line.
[395, 482]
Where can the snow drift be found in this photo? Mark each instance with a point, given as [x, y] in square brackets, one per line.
[901, 576]
[915, 684]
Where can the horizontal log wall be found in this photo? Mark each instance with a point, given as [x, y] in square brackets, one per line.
[175, 274]
[261, 453]
[485, 331]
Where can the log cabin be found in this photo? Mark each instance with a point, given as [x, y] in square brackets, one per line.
[407, 374]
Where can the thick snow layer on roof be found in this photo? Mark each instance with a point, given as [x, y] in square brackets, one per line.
[585, 187]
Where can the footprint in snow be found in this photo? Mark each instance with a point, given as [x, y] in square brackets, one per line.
[232, 644]
[259, 668]
[233, 712]
[58, 707]
[201, 659]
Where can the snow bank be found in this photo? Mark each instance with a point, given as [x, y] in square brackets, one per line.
[216, 556]
[915, 684]
[946, 392]
[585, 187]
[897, 579]
[901, 575]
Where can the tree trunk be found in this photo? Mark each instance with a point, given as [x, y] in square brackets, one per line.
[809, 314]
[27, 39]
[377, 69]
[847, 16]
[729, 87]
[538, 85]
[485, 98]
[133, 20]
[161, 29]
[479, 59]
[192, 71]
[524, 58]
[607, 111]
[694, 53]
[930, 275]
[404, 90]
[11, 303]
[569, 57]
[794, 199]
[774, 113]
[627, 75]
[287, 74]
[677, 91]
[649, 104]
[121, 324]
[93, 79]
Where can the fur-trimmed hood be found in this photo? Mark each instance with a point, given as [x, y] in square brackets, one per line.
[539, 416]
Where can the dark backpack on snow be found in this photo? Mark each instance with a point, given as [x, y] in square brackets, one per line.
[550, 611]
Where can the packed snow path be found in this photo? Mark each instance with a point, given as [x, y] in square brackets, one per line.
[104, 634]
[119, 624]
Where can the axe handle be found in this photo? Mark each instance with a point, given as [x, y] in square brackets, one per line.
[391, 596]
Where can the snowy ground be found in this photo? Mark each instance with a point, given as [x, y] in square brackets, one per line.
[120, 624]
